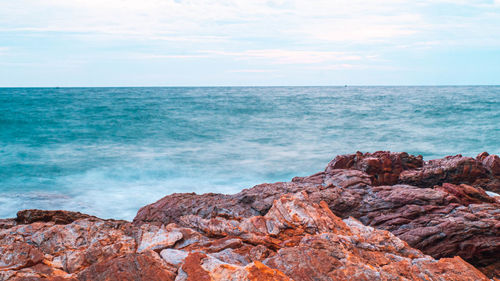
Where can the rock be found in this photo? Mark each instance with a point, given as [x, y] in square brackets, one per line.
[7, 223]
[199, 266]
[58, 216]
[134, 266]
[192, 270]
[357, 220]
[467, 194]
[157, 238]
[173, 257]
[180, 204]
[440, 207]
[444, 221]
[492, 270]
[296, 239]
[492, 164]
[19, 255]
[451, 169]
[311, 243]
[384, 166]
[71, 247]
[492, 194]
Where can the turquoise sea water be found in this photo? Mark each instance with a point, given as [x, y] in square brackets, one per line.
[109, 151]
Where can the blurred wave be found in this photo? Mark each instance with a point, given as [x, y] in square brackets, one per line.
[109, 151]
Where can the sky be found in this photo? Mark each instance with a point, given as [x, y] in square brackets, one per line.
[251, 42]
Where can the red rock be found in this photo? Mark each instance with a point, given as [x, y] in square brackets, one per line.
[384, 166]
[451, 169]
[7, 223]
[19, 255]
[492, 270]
[58, 216]
[250, 202]
[492, 164]
[72, 247]
[313, 228]
[467, 194]
[192, 268]
[450, 219]
[134, 267]
[296, 239]
[152, 237]
[313, 244]
[199, 266]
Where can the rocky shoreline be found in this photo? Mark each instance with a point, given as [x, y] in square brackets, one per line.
[371, 216]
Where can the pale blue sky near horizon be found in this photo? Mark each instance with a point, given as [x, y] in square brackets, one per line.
[260, 42]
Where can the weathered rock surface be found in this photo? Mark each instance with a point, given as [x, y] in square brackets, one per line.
[296, 239]
[360, 219]
[385, 168]
[57, 217]
[439, 206]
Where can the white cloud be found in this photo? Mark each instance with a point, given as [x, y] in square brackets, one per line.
[322, 20]
[270, 56]
[255, 34]
[253, 70]
[156, 56]
[283, 56]
[341, 66]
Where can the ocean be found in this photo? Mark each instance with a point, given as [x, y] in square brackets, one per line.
[109, 151]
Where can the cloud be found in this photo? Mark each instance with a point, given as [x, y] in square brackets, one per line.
[156, 56]
[341, 66]
[293, 20]
[270, 56]
[247, 35]
[282, 56]
[253, 70]
[240, 24]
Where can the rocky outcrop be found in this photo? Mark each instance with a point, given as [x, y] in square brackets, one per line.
[296, 239]
[57, 217]
[359, 219]
[383, 167]
[440, 207]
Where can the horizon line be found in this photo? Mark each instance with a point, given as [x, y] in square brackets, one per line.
[250, 86]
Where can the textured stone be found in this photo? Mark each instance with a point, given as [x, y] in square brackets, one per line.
[357, 220]
[64, 249]
[135, 266]
[310, 243]
[440, 206]
[451, 169]
[296, 239]
[58, 216]
[19, 255]
[173, 257]
[384, 166]
[157, 238]
[492, 164]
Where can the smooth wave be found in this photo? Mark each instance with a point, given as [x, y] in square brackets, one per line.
[109, 151]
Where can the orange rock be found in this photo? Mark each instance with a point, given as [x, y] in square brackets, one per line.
[19, 255]
[283, 231]
[134, 266]
[444, 212]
